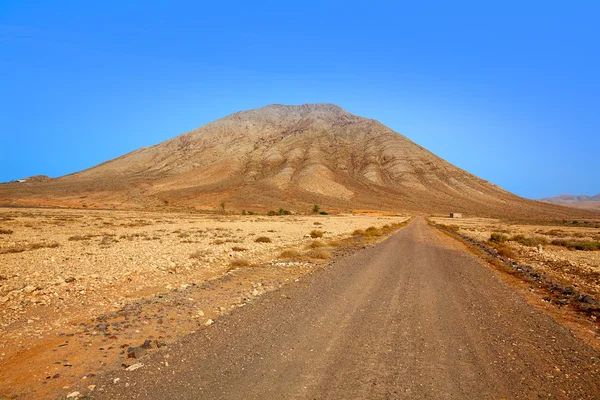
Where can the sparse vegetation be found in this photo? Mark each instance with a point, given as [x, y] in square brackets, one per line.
[6, 232]
[290, 253]
[263, 239]
[237, 248]
[529, 241]
[239, 262]
[372, 231]
[505, 251]
[316, 209]
[315, 244]
[79, 237]
[323, 213]
[32, 246]
[577, 245]
[281, 211]
[358, 232]
[496, 237]
[319, 254]
[316, 234]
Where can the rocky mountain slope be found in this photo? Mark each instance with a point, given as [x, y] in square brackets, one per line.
[281, 156]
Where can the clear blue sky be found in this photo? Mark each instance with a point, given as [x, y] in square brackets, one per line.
[509, 92]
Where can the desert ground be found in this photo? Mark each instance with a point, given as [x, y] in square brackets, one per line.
[82, 290]
[556, 256]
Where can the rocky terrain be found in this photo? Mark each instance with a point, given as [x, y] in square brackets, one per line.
[282, 156]
[81, 290]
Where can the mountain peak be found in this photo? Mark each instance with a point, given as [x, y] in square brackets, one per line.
[291, 156]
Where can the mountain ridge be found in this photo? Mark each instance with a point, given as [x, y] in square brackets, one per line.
[576, 201]
[281, 156]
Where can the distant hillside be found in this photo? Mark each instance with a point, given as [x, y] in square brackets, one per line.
[282, 156]
[588, 202]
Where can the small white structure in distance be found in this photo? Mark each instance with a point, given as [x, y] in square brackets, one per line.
[455, 215]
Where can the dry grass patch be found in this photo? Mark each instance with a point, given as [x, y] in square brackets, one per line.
[32, 246]
[79, 237]
[239, 262]
[263, 239]
[319, 254]
[316, 234]
[372, 232]
[290, 253]
[315, 244]
[505, 251]
[577, 244]
[529, 241]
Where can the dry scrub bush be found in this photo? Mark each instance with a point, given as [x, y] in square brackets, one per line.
[577, 245]
[6, 232]
[79, 237]
[529, 241]
[505, 251]
[372, 231]
[237, 248]
[32, 246]
[263, 239]
[290, 253]
[319, 254]
[315, 244]
[496, 237]
[358, 232]
[317, 223]
[239, 262]
[316, 234]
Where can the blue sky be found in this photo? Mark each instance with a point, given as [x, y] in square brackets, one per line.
[509, 92]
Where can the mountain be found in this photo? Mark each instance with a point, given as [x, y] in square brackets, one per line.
[589, 202]
[281, 156]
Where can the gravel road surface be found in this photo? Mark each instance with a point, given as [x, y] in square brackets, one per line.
[413, 317]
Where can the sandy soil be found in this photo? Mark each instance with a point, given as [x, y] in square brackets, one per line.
[109, 280]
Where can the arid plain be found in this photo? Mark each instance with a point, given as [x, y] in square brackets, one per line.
[82, 290]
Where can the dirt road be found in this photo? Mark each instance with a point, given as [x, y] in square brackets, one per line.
[413, 317]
